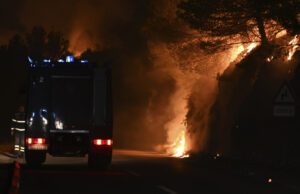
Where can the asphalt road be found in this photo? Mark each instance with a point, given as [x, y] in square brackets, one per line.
[143, 172]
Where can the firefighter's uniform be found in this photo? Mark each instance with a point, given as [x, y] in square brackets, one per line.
[18, 130]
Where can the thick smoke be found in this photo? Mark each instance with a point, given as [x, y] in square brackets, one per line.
[162, 82]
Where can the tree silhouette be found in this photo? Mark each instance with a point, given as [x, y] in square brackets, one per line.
[36, 42]
[253, 20]
[41, 44]
[56, 46]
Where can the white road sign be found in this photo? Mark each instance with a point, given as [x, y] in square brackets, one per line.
[284, 102]
[284, 110]
[285, 95]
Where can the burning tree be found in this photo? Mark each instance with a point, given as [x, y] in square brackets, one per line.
[247, 20]
[237, 27]
[227, 24]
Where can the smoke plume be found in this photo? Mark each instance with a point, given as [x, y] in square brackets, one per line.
[163, 84]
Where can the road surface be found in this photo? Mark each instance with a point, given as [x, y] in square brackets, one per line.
[143, 172]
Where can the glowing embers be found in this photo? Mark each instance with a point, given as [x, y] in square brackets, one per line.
[281, 34]
[217, 156]
[179, 146]
[101, 142]
[36, 143]
[294, 45]
[270, 180]
[269, 59]
[288, 52]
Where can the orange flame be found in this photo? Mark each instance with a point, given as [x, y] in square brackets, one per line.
[239, 52]
[281, 34]
[269, 59]
[178, 141]
[180, 146]
[177, 132]
[294, 45]
[80, 41]
[251, 47]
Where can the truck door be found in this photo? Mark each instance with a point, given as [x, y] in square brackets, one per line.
[102, 109]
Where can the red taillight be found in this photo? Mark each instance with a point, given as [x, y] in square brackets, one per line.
[30, 141]
[41, 140]
[99, 142]
[109, 142]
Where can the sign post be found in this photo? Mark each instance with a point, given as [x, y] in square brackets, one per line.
[284, 108]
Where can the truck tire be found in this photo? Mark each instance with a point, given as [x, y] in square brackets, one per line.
[35, 158]
[99, 161]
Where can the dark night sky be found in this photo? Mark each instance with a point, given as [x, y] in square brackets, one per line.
[95, 19]
[20, 16]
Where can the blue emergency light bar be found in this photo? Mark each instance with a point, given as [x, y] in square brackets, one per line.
[29, 59]
[70, 59]
[48, 63]
[84, 61]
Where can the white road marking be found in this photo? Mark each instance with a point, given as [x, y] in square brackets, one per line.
[165, 189]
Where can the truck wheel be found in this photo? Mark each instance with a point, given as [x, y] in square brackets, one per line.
[35, 158]
[99, 161]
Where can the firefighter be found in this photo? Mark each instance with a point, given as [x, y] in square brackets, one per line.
[18, 131]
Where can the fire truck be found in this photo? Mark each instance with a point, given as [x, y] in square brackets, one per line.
[69, 111]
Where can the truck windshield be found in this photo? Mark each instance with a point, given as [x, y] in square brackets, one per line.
[71, 102]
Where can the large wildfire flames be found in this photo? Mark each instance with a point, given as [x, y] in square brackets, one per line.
[178, 137]
[180, 146]
[177, 145]
[179, 140]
